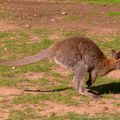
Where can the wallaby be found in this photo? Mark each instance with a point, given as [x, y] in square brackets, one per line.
[80, 54]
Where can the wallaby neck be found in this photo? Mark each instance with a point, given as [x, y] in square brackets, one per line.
[108, 64]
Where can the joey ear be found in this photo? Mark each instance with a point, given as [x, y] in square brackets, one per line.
[113, 53]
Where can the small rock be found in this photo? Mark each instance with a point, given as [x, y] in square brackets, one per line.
[19, 18]
[23, 17]
[12, 38]
[2, 10]
[105, 108]
[13, 8]
[27, 25]
[114, 21]
[35, 15]
[52, 20]
[5, 48]
[64, 13]
[107, 22]
[13, 67]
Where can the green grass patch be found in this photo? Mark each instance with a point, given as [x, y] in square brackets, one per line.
[92, 1]
[6, 34]
[42, 82]
[10, 81]
[74, 116]
[107, 45]
[26, 114]
[30, 114]
[17, 44]
[72, 18]
[30, 98]
[65, 97]
[101, 2]
[6, 13]
[117, 104]
[42, 66]
[71, 33]
[62, 97]
[112, 14]
[42, 32]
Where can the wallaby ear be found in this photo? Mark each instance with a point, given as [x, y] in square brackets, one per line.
[113, 53]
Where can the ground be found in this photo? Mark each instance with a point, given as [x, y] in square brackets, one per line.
[43, 91]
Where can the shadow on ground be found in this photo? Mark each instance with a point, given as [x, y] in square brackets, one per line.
[107, 88]
[101, 89]
[53, 90]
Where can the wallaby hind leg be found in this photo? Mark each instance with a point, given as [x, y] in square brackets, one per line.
[80, 70]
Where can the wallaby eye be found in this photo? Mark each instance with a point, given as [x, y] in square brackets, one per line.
[118, 56]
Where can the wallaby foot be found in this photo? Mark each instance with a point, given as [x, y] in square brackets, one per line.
[87, 92]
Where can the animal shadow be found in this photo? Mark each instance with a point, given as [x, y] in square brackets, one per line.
[101, 89]
[53, 90]
[107, 88]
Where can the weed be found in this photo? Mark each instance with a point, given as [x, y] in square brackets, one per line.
[112, 14]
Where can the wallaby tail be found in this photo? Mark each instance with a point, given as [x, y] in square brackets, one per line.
[28, 60]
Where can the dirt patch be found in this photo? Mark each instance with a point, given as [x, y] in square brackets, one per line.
[103, 30]
[7, 91]
[114, 74]
[56, 36]
[6, 94]
[34, 38]
[3, 114]
[90, 108]
[38, 14]
[63, 71]
[6, 26]
[34, 76]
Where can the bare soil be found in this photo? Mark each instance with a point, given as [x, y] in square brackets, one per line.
[114, 74]
[93, 18]
[4, 91]
[43, 13]
[89, 108]
[7, 26]
[6, 95]
[34, 76]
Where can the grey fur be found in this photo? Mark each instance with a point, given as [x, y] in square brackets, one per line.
[81, 55]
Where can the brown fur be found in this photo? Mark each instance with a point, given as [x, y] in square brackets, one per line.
[81, 55]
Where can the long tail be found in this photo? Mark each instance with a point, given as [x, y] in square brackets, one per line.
[28, 60]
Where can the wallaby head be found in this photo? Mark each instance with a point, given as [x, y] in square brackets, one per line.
[116, 56]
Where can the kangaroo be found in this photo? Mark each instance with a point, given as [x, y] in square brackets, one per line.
[81, 55]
